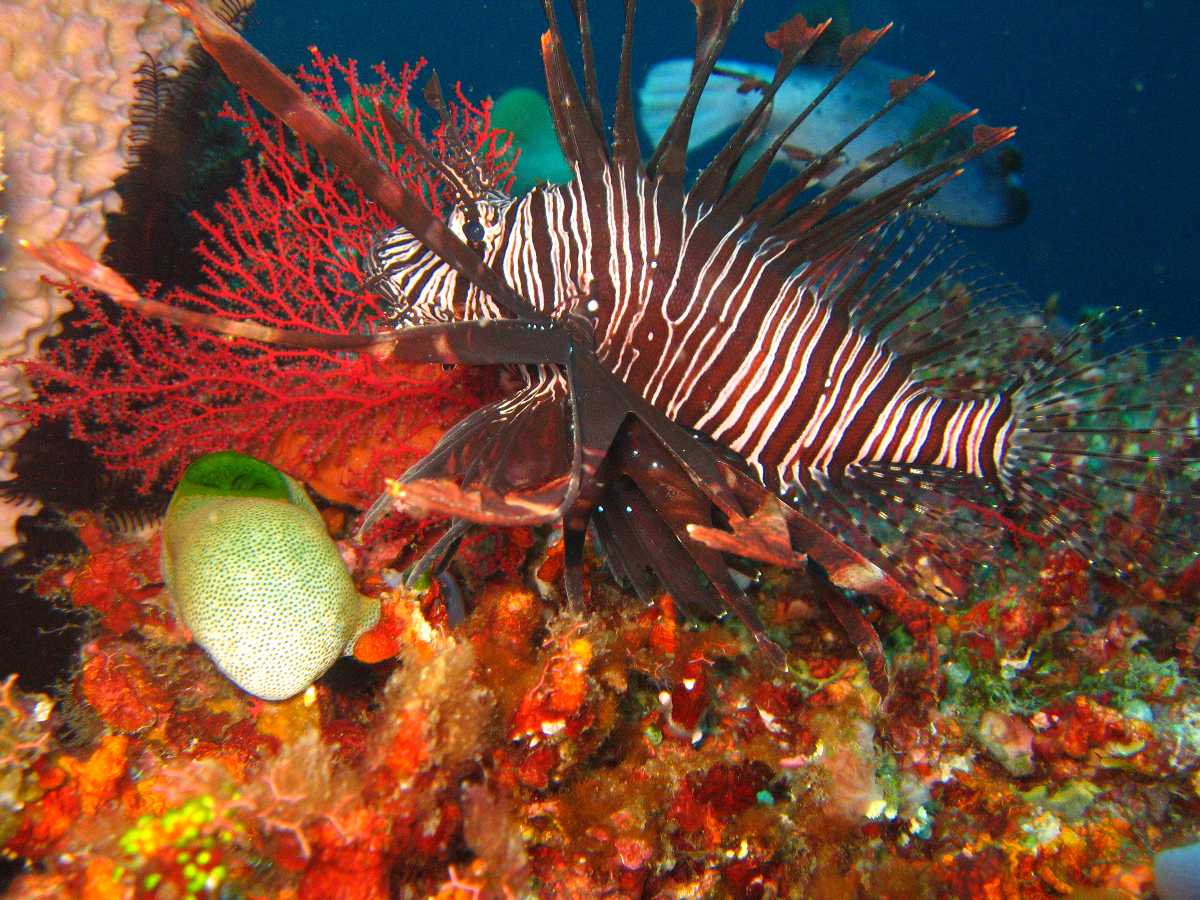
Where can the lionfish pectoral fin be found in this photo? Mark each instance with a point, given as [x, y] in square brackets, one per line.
[761, 536]
[478, 447]
[434, 560]
[573, 543]
[598, 409]
[695, 456]
[624, 555]
[629, 514]
[765, 536]
[655, 519]
[677, 501]
[485, 470]
[479, 343]
[531, 506]
[490, 342]
[865, 569]
[375, 514]
[778, 534]
[857, 627]
[597, 416]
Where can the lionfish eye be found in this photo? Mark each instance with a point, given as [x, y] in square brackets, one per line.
[473, 231]
[1009, 159]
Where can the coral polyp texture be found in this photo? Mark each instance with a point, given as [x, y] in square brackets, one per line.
[1046, 744]
[625, 752]
[67, 87]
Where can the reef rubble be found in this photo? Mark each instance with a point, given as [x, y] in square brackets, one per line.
[623, 752]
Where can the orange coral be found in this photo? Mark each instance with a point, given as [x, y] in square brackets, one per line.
[96, 778]
[118, 579]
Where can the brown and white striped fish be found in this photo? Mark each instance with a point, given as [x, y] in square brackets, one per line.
[800, 337]
[711, 371]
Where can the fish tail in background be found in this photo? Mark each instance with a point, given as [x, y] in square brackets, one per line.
[1101, 444]
[725, 104]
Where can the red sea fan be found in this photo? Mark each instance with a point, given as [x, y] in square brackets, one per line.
[285, 249]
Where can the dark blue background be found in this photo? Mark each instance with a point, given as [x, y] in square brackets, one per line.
[1105, 95]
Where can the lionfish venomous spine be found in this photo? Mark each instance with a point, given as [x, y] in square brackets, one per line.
[711, 371]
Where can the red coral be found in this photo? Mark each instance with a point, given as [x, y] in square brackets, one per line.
[284, 249]
[51, 817]
[687, 700]
[979, 874]
[339, 871]
[557, 703]
[707, 803]
[1081, 733]
[118, 687]
[118, 580]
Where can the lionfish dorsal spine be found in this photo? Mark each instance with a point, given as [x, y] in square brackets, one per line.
[626, 147]
[575, 120]
[742, 196]
[793, 40]
[714, 19]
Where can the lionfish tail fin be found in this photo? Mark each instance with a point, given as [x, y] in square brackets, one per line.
[1101, 448]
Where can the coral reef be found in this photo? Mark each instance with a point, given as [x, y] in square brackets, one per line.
[67, 74]
[284, 248]
[1040, 739]
[623, 751]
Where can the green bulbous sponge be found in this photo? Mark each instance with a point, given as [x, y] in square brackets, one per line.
[526, 113]
[256, 578]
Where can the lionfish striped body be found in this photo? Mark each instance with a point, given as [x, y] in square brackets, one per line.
[712, 326]
[711, 373]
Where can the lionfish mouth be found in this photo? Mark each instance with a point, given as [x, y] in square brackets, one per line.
[707, 371]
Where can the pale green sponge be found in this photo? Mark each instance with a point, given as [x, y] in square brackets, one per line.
[256, 578]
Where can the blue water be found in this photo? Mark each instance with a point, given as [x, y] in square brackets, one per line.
[1104, 94]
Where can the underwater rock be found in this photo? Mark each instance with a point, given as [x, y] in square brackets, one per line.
[256, 578]
[1008, 740]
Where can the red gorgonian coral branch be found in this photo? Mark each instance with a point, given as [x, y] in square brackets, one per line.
[285, 248]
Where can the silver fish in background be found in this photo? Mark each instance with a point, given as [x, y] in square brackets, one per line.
[988, 193]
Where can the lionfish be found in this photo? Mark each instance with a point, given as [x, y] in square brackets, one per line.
[710, 372]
